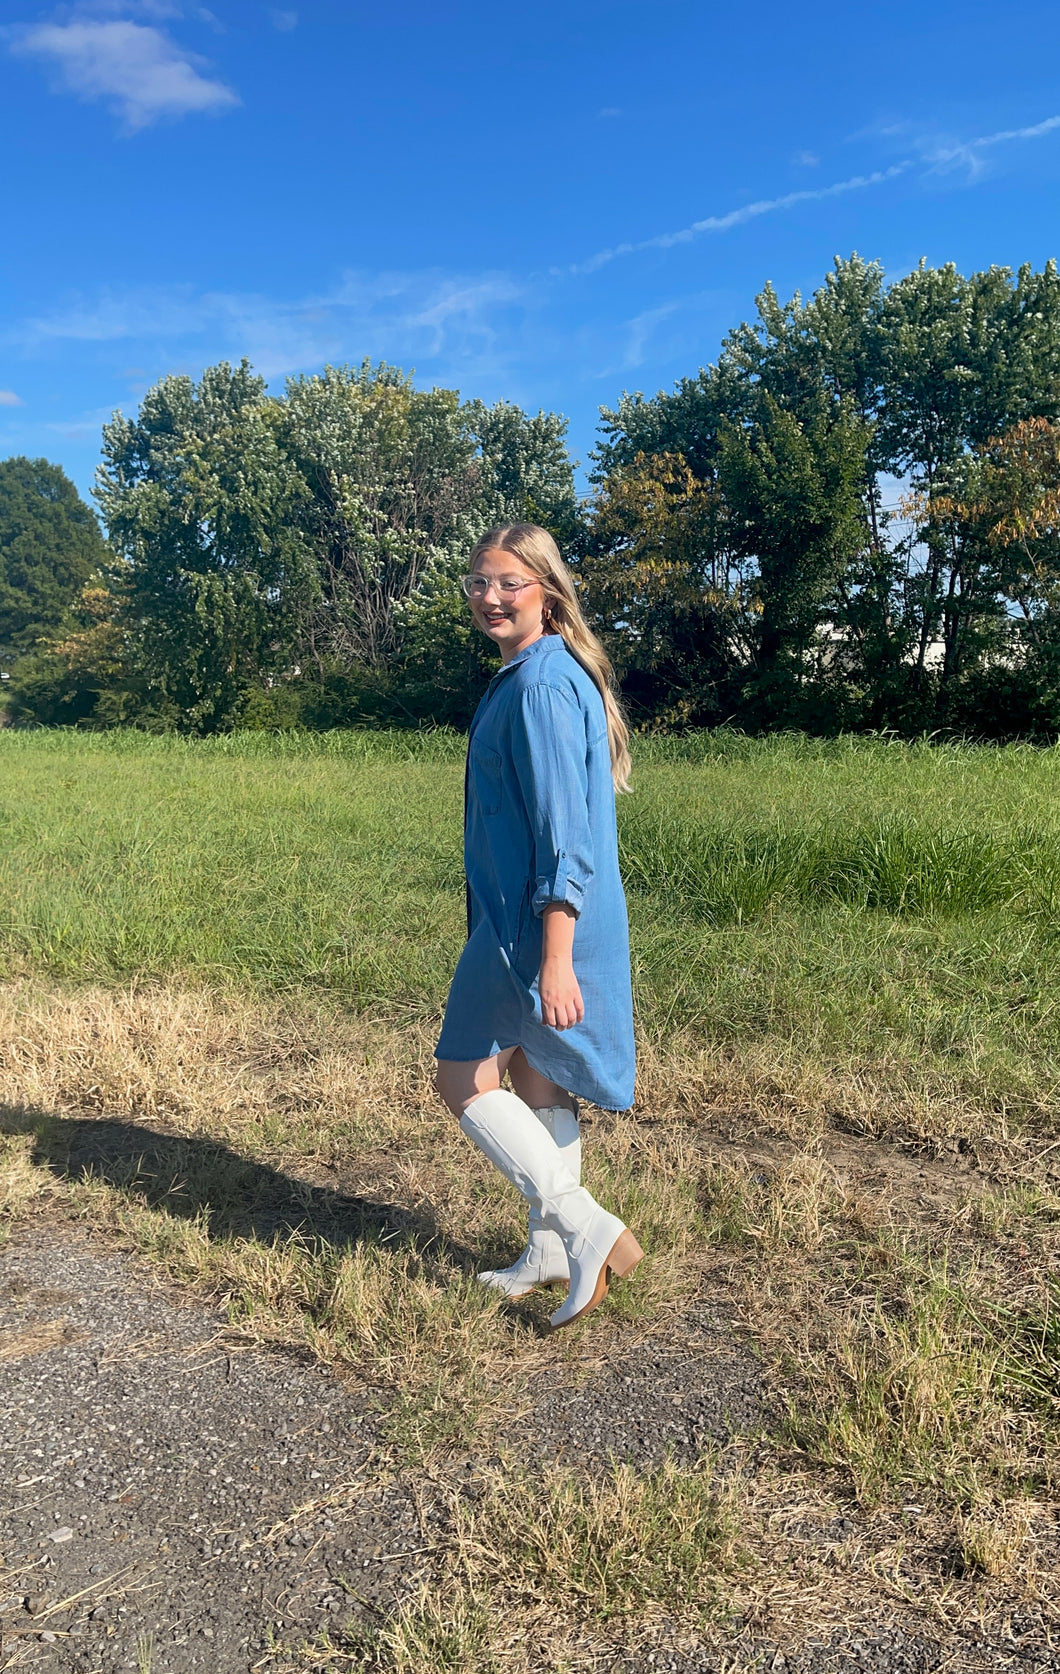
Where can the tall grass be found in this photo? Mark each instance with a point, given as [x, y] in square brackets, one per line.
[390, 744]
[741, 869]
[858, 897]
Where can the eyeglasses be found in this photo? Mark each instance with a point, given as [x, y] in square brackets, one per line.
[508, 587]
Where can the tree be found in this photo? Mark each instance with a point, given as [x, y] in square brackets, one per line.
[663, 587]
[50, 548]
[296, 559]
[526, 472]
[829, 346]
[1002, 521]
[201, 504]
[685, 423]
[913, 379]
[963, 359]
[390, 473]
[86, 676]
[771, 435]
[794, 496]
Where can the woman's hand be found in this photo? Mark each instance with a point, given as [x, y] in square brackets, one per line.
[561, 998]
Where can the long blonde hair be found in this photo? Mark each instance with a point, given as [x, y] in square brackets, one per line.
[535, 548]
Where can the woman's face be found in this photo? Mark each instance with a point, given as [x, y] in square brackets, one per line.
[511, 620]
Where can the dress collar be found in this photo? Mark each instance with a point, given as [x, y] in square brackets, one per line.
[538, 647]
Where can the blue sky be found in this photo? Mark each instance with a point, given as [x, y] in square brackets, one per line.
[545, 203]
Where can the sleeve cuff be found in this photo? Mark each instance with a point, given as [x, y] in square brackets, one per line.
[560, 888]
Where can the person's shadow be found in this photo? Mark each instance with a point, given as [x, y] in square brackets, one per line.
[199, 1178]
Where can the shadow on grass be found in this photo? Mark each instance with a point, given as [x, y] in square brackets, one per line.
[200, 1179]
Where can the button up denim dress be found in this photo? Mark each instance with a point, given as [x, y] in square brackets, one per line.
[540, 827]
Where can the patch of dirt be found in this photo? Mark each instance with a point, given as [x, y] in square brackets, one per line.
[162, 1485]
[674, 1394]
[172, 1499]
[859, 1648]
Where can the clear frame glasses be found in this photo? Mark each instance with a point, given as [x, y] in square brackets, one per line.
[477, 586]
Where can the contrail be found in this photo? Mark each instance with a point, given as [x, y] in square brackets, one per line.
[1001, 138]
[767, 206]
[736, 217]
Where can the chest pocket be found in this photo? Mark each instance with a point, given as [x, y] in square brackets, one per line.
[486, 778]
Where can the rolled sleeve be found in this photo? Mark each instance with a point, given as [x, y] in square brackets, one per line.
[549, 752]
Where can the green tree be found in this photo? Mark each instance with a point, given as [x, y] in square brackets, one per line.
[685, 422]
[400, 482]
[926, 371]
[771, 434]
[391, 475]
[663, 587]
[526, 471]
[829, 346]
[1002, 522]
[963, 359]
[794, 493]
[50, 548]
[201, 504]
[295, 559]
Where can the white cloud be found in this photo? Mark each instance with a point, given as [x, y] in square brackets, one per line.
[806, 159]
[284, 21]
[641, 329]
[967, 151]
[137, 69]
[404, 316]
[8, 398]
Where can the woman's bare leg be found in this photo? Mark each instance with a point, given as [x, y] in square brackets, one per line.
[458, 1082]
[533, 1088]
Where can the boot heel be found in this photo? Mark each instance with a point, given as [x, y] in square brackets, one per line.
[624, 1256]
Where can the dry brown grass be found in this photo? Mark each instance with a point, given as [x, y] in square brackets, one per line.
[787, 1088]
[329, 1125]
[606, 1548]
[905, 1304]
[558, 1577]
[558, 1572]
[994, 1539]
[20, 1181]
[911, 1350]
[35, 1339]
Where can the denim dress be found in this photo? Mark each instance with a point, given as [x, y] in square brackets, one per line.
[539, 827]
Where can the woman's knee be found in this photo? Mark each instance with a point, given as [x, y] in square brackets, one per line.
[457, 1084]
[443, 1086]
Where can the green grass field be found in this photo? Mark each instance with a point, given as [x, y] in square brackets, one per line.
[233, 954]
[850, 899]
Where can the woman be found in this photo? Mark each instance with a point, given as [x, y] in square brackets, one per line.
[542, 989]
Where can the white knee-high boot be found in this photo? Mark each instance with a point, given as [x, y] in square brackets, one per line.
[544, 1260]
[597, 1243]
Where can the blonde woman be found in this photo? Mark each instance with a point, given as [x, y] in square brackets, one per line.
[542, 989]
